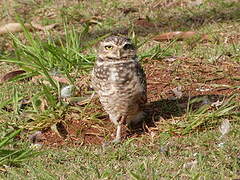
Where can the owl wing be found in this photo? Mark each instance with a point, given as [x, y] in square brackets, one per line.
[94, 81]
[99, 77]
[143, 82]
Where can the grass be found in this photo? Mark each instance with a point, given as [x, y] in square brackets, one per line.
[13, 157]
[165, 157]
[185, 141]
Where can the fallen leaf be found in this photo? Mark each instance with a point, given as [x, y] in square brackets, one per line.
[144, 23]
[13, 27]
[167, 36]
[61, 79]
[174, 35]
[187, 34]
[11, 75]
[43, 28]
[179, 35]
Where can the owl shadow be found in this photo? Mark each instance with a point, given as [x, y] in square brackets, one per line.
[166, 109]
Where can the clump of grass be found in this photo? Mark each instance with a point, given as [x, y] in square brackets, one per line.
[45, 57]
[60, 56]
[204, 117]
[12, 156]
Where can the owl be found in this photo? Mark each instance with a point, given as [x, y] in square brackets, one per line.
[120, 82]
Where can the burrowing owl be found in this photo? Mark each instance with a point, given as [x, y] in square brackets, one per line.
[120, 81]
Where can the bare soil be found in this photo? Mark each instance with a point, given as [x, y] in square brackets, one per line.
[195, 78]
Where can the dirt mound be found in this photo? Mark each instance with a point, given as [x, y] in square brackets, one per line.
[171, 84]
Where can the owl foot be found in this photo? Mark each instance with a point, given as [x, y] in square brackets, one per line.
[117, 138]
[113, 142]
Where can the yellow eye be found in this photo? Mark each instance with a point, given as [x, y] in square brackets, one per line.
[108, 47]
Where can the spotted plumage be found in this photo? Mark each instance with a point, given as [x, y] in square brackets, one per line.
[120, 81]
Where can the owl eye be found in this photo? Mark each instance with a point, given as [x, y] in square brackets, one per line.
[108, 47]
[128, 46]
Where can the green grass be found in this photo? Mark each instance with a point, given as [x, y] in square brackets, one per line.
[164, 157]
[11, 157]
[184, 145]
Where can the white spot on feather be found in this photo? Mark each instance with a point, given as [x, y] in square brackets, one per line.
[114, 75]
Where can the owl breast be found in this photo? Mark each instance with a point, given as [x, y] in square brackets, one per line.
[119, 86]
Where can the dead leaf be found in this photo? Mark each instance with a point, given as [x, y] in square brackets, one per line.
[144, 23]
[167, 36]
[174, 35]
[188, 34]
[11, 75]
[179, 35]
[43, 28]
[61, 79]
[13, 27]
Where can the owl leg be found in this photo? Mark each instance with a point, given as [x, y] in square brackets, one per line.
[118, 134]
[118, 121]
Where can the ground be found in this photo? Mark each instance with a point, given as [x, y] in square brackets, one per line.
[192, 83]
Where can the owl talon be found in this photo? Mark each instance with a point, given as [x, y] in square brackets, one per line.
[105, 144]
[116, 141]
[113, 142]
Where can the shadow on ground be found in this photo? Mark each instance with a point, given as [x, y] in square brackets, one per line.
[167, 109]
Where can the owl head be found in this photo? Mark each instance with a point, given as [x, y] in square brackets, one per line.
[116, 48]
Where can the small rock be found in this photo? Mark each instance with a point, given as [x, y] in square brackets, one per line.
[67, 91]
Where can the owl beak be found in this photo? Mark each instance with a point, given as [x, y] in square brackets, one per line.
[118, 54]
